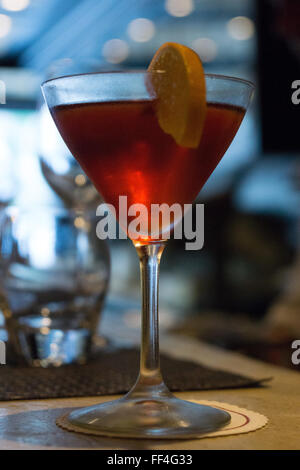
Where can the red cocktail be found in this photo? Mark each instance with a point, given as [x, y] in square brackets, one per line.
[124, 151]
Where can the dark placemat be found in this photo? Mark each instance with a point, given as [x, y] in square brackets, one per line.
[110, 372]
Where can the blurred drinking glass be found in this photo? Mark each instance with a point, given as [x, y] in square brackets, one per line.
[54, 275]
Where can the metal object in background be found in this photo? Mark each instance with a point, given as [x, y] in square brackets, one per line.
[61, 170]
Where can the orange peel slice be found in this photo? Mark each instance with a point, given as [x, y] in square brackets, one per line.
[178, 82]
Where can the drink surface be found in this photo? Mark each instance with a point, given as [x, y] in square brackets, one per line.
[124, 151]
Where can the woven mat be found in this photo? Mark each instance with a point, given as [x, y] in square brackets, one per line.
[110, 372]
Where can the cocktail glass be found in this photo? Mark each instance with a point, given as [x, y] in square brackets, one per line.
[109, 123]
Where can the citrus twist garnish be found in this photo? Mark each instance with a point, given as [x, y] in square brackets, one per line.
[178, 83]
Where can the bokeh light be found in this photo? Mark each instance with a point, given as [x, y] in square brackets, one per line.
[15, 5]
[80, 179]
[79, 222]
[206, 48]
[241, 28]
[179, 8]
[115, 51]
[44, 330]
[141, 29]
[5, 25]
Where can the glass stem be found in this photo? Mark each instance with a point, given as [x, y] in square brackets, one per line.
[150, 381]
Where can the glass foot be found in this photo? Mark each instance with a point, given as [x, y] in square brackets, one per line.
[156, 418]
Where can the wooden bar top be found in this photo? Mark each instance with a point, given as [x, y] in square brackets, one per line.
[31, 424]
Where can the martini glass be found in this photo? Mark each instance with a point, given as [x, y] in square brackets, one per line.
[109, 123]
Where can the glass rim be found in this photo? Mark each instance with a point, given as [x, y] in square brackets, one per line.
[146, 72]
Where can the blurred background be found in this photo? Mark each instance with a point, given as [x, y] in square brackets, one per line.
[242, 290]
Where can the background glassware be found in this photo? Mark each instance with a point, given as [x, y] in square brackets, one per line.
[59, 167]
[54, 275]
